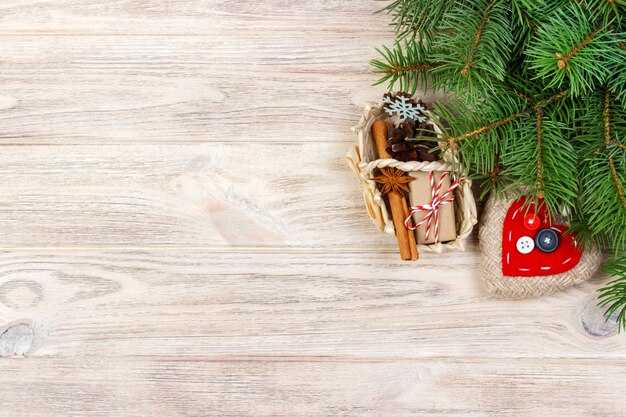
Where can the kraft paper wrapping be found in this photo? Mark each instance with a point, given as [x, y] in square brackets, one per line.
[421, 194]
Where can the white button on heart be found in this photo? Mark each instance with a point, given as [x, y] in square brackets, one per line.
[525, 244]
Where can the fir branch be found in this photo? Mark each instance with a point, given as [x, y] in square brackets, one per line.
[540, 190]
[618, 83]
[465, 122]
[399, 70]
[524, 24]
[613, 294]
[531, 24]
[602, 202]
[517, 139]
[592, 51]
[619, 37]
[607, 116]
[541, 160]
[479, 32]
[616, 181]
[522, 143]
[474, 46]
[509, 118]
[417, 19]
[604, 8]
[562, 63]
[617, 79]
[407, 68]
[452, 140]
[607, 143]
[525, 96]
[552, 99]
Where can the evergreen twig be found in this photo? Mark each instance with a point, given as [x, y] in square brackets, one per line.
[540, 189]
[479, 32]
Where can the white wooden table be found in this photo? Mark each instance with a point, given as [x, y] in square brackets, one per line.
[180, 235]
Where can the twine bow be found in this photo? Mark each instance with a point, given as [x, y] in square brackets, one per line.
[432, 209]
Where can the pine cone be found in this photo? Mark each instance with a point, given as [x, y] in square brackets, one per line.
[403, 149]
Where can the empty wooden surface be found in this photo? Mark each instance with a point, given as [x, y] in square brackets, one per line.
[180, 235]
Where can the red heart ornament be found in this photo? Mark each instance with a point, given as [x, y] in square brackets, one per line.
[534, 263]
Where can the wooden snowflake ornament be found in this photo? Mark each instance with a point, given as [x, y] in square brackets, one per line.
[403, 105]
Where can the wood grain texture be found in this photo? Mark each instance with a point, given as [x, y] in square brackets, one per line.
[274, 303]
[190, 17]
[304, 387]
[180, 235]
[182, 195]
[251, 86]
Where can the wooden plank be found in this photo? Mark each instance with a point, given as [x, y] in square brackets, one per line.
[226, 87]
[281, 303]
[189, 17]
[102, 386]
[232, 194]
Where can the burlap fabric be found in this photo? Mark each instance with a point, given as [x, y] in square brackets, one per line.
[490, 237]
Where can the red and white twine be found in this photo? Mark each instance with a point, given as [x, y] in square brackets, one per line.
[432, 209]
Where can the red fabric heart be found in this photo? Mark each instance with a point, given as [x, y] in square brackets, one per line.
[536, 263]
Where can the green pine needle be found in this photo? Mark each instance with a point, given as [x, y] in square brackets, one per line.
[417, 18]
[405, 68]
[474, 46]
[574, 50]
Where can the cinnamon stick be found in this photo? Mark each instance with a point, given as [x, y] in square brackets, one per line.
[412, 243]
[397, 200]
[379, 132]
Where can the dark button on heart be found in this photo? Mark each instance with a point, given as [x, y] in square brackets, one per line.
[547, 240]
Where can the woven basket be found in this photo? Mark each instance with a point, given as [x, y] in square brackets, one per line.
[490, 236]
[362, 160]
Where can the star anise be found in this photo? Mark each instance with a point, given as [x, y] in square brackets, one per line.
[393, 180]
